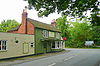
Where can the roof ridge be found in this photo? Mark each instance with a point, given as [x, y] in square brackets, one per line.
[43, 25]
[39, 21]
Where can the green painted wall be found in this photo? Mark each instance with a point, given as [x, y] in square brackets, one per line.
[38, 43]
[42, 46]
[49, 47]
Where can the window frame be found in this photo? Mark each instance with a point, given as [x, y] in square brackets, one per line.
[51, 34]
[3, 45]
[45, 33]
[57, 44]
[57, 35]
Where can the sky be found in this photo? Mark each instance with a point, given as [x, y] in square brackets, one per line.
[12, 9]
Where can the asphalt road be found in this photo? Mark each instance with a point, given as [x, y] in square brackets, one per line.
[76, 57]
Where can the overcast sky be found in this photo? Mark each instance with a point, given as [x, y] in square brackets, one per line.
[12, 9]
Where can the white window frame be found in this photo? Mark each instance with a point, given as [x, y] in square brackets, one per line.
[61, 44]
[51, 34]
[5, 45]
[57, 35]
[45, 33]
[58, 45]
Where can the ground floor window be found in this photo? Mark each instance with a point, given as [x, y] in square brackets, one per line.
[57, 44]
[53, 44]
[3, 45]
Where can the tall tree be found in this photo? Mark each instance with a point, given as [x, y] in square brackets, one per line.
[80, 32]
[62, 26]
[77, 32]
[7, 25]
[96, 35]
[67, 7]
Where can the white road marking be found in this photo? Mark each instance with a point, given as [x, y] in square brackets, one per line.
[69, 58]
[64, 60]
[52, 64]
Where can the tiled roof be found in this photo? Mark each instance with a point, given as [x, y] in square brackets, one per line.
[43, 25]
[38, 25]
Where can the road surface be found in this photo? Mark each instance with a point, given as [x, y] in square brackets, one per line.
[76, 57]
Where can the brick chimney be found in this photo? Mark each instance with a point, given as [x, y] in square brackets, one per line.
[53, 23]
[24, 20]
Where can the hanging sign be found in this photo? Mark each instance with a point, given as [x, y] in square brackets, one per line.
[64, 38]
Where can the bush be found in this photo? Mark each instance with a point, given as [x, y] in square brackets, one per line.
[96, 35]
[74, 44]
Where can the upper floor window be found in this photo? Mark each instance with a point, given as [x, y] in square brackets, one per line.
[45, 33]
[3, 45]
[51, 34]
[58, 35]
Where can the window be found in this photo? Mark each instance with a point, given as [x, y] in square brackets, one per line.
[53, 44]
[45, 33]
[57, 45]
[51, 34]
[3, 45]
[58, 35]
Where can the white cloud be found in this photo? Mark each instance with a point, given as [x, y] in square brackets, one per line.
[12, 9]
[33, 14]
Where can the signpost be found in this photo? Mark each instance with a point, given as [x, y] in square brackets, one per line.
[64, 38]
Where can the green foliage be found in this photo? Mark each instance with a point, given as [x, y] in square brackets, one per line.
[79, 33]
[66, 7]
[76, 32]
[7, 25]
[95, 19]
[61, 25]
[96, 35]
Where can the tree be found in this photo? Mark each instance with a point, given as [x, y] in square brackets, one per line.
[77, 32]
[62, 26]
[96, 35]
[66, 7]
[7, 25]
[95, 20]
